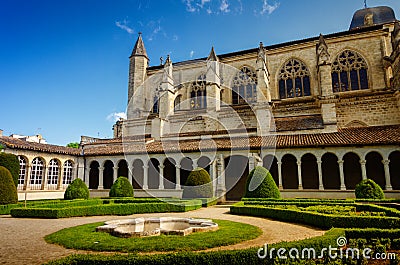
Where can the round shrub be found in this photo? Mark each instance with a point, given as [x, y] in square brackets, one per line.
[121, 188]
[368, 189]
[8, 191]
[11, 162]
[76, 190]
[260, 184]
[198, 184]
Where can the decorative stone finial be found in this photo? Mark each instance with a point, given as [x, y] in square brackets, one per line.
[323, 56]
[139, 49]
[261, 52]
[212, 56]
[168, 61]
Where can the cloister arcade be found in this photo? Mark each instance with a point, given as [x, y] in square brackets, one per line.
[308, 169]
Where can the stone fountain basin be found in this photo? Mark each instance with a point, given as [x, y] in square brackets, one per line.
[141, 227]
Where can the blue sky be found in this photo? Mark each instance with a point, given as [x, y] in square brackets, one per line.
[64, 64]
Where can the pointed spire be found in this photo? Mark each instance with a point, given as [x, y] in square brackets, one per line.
[261, 53]
[212, 56]
[323, 56]
[139, 49]
[168, 61]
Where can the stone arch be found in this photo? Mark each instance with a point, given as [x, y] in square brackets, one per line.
[154, 173]
[94, 173]
[204, 162]
[108, 174]
[309, 171]
[186, 168]
[355, 124]
[271, 163]
[375, 168]
[138, 174]
[352, 170]
[123, 168]
[330, 171]
[169, 173]
[289, 172]
[394, 169]
[236, 172]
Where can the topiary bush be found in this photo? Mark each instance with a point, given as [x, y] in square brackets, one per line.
[8, 191]
[11, 162]
[260, 184]
[121, 188]
[76, 190]
[368, 189]
[198, 184]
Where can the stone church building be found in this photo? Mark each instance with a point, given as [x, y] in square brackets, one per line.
[321, 114]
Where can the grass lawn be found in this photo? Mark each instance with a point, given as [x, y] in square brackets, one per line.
[85, 237]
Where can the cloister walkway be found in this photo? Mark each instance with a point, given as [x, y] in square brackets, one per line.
[22, 239]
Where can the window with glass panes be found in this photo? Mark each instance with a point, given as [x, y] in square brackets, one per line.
[294, 80]
[22, 170]
[198, 93]
[37, 171]
[52, 178]
[244, 89]
[67, 176]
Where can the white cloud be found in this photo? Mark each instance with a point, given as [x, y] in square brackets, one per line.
[122, 25]
[267, 8]
[224, 7]
[203, 2]
[209, 11]
[189, 6]
[175, 37]
[115, 116]
[191, 54]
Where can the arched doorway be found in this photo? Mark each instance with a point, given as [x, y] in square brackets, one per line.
[330, 172]
[271, 163]
[138, 173]
[309, 171]
[375, 168]
[394, 169]
[352, 170]
[204, 162]
[122, 168]
[108, 174]
[169, 173]
[186, 168]
[94, 175]
[153, 173]
[289, 172]
[236, 172]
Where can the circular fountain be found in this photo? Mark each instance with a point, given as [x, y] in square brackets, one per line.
[154, 226]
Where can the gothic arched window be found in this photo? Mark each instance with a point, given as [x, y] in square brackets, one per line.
[349, 72]
[52, 176]
[37, 170]
[294, 80]
[155, 105]
[22, 171]
[198, 93]
[244, 88]
[67, 176]
[177, 103]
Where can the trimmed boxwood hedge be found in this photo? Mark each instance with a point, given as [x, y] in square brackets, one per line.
[11, 162]
[324, 221]
[260, 184]
[76, 190]
[105, 209]
[198, 184]
[368, 189]
[228, 257]
[121, 188]
[8, 191]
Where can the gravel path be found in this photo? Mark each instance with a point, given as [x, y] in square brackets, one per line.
[22, 238]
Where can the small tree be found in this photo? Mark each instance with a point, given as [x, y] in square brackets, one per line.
[260, 184]
[198, 184]
[73, 145]
[11, 162]
[8, 191]
[76, 190]
[121, 188]
[368, 189]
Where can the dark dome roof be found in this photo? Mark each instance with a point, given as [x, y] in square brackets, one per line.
[372, 16]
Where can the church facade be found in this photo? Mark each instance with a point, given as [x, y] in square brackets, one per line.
[321, 114]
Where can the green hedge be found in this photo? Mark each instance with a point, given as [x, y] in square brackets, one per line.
[368, 189]
[121, 188]
[105, 209]
[370, 233]
[198, 184]
[77, 190]
[8, 191]
[324, 221]
[228, 257]
[11, 162]
[260, 184]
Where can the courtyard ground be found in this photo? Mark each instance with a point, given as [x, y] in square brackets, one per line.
[22, 239]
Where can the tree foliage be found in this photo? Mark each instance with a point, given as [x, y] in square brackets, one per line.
[8, 191]
[73, 145]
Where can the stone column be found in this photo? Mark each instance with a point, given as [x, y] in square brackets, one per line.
[60, 177]
[341, 172]
[280, 175]
[101, 178]
[145, 177]
[363, 163]
[388, 185]
[178, 177]
[320, 179]
[87, 175]
[252, 162]
[221, 188]
[45, 178]
[27, 185]
[299, 175]
[195, 165]
[161, 177]
[214, 176]
[130, 173]
[115, 175]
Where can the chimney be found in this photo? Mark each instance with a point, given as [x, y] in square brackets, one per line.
[1, 132]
